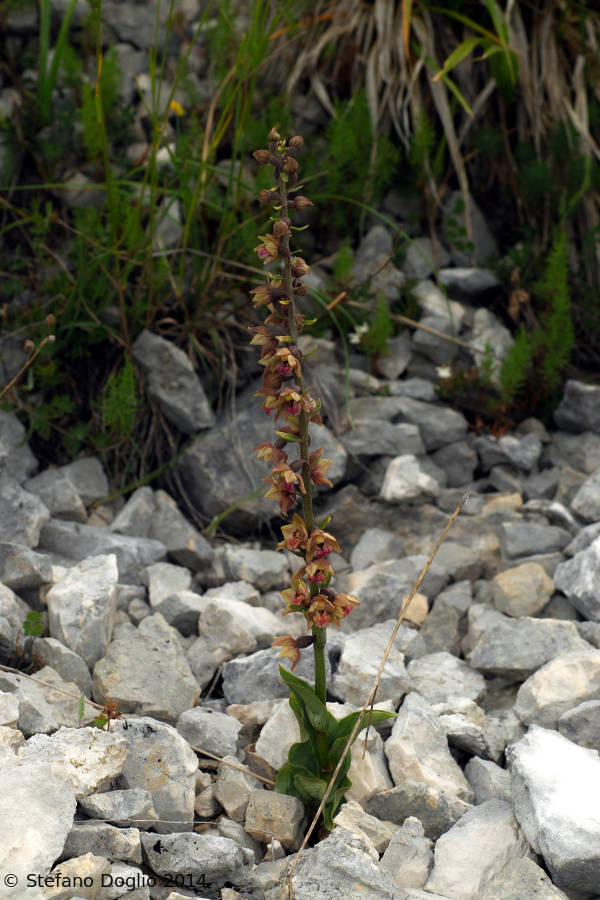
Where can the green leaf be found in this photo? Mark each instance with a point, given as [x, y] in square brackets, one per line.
[461, 52]
[313, 788]
[336, 798]
[100, 721]
[81, 710]
[344, 726]
[315, 710]
[284, 782]
[33, 625]
[339, 735]
[306, 729]
[452, 87]
[305, 755]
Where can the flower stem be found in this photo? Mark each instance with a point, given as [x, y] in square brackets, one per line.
[320, 635]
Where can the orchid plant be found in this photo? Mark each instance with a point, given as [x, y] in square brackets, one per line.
[313, 759]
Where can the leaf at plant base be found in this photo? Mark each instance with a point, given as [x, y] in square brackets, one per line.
[297, 707]
[336, 798]
[335, 751]
[305, 754]
[370, 717]
[284, 782]
[314, 788]
[315, 710]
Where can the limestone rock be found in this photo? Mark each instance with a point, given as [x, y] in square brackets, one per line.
[75, 541]
[579, 409]
[210, 730]
[582, 724]
[82, 607]
[488, 780]
[558, 686]
[353, 818]
[89, 758]
[408, 856]
[476, 849]
[22, 514]
[48, 651]
[579, 579]
[146, 672]
[161, 761]
[417, 750]
[439, 676]
[58, 493]
[520, 878]
[132, 806]
[88, 478]
[405, 479]
[522, 591]
[358, 665]
[233, 788]
[556, 795]
[103, 839]
[516, 648]
[435, 809]
[271, 815]
[37, 806]
[22, 568]
[203, 860]
[172, 382]
[340, 866]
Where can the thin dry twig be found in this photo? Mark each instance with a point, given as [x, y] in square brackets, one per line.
[287, 885]
[49, 339]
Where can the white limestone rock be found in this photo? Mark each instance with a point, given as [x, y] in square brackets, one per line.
[88, 758]
[564, 682]
[406, 479]
[408, 856]
[358, 665]
[82, 606]
[477, 847]
[145, 670]
[417, 750]
[440, 676]
[37, 806]
[162, 762]
[555, 788]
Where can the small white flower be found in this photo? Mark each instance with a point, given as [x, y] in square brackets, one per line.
[356, 336]
[444, 372]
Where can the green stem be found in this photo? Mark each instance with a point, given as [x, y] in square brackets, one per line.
[320, 635]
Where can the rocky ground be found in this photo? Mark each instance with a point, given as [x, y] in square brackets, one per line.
[486, 785]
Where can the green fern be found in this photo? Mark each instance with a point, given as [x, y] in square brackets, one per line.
[516, 366]
[551, 343]
[350, 139]
[555, 337]
[121, 402]
[381, 329]
[344, 263]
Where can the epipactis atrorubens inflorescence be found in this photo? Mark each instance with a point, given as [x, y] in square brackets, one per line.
[283, 392]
